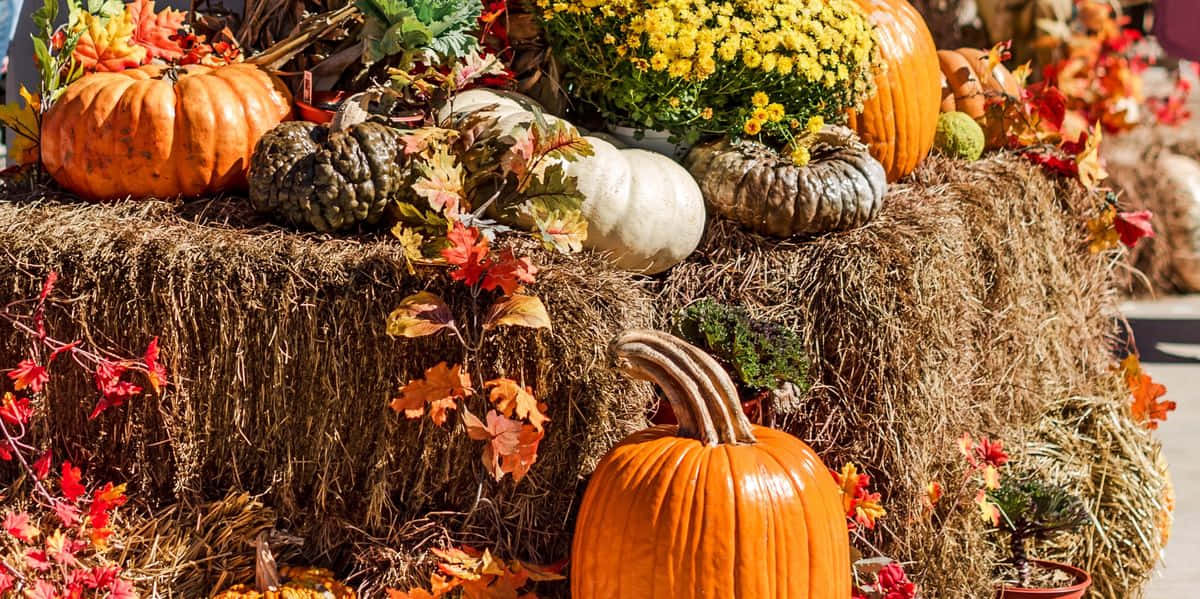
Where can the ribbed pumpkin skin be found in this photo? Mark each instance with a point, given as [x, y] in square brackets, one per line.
[967, 85]
[899, 121]
[670, 518]
[136, 133]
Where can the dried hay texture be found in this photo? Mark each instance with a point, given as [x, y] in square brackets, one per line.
[1168, 263]
[284, 373]
[1091, 446]
[967, 306]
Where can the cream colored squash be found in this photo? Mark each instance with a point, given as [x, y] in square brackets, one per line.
[642, 208]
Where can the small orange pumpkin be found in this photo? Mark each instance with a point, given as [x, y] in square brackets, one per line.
[713, 508]
[898, 123]
[967, 84]
[159, 131]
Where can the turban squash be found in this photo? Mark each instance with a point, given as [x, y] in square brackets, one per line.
[642, 208]
[842, 186]
[713, 508]
[899, 121]
[159, 131]
[967, 84]
[328, 178]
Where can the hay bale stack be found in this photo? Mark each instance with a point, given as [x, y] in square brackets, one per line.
[1091, 446]
[1168, 263]
[277, 344]
[967, 305]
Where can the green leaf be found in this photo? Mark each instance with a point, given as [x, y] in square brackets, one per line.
[105, 8]
[554, 191]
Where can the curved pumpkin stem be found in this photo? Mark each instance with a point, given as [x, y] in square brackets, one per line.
[701, 393]
[266, 573]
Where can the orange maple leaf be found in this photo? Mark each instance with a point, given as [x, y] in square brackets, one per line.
[1146, 407]
[512, 446]
[441, 389]
[510, 398]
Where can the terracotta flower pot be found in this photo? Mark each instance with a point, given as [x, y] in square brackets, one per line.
[321, 110]
[1075, 591]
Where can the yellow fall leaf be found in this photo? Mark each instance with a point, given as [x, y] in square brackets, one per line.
[518, 310]
[23, 120]
[1091, 172]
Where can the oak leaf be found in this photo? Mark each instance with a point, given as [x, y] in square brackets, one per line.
[441, 182]
[509, 272]
[153, 31]
[510, 398]
[441, 388]
[418, 315]
[468, 251]
[518, 310]
[1146, 407]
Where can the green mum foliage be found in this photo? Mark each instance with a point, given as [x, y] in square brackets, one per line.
[437, 30]
[761, 355]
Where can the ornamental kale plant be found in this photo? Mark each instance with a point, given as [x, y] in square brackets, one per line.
[1034, 510]
[433, 31]
[761, 355]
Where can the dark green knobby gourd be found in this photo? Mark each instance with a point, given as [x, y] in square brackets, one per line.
[325, 178]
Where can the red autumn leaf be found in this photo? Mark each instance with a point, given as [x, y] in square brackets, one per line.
[113, 391]
[121, 589]
[414, 593]
[66, 347]
[37, 560]
[156, 372]
[15, 411]
[509, 272]
[29, 374]
[440, 389]
[101, 577]
[153, 31]
[48, 286]
[1132, 226]
[107, 498]
[1049, 104]
[6, 581]
[99, 537]
[62, 549]
[72, 489]
[67, 513]
[17, 524]
[991, 452]
[1053, 164]
[469, 252]
[41, 468]
[502, 436]
[42, 590]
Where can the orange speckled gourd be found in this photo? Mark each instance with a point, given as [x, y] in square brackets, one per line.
[713, 508]
[898, 123]
[155, 131]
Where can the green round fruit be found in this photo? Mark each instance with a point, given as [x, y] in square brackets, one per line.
[959, 136]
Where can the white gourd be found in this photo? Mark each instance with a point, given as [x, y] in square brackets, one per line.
[1184, 175]
[642, 208]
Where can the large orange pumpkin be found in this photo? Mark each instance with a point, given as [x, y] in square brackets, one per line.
[157, 131]
[967, 85]
[713, 508]
[899, 122]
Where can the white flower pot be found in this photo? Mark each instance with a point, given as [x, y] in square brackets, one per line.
[654, 141]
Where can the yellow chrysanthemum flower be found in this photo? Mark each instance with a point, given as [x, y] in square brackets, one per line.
[752, 127]
[815, 124]
[760, 99]
[775, 112]
[800, 156]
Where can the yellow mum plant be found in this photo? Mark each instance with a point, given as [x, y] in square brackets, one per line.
[696, 67]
